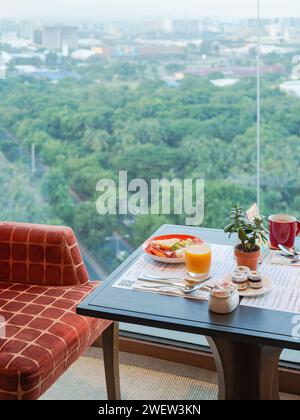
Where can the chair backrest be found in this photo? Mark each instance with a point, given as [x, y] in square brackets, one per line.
[40, 254]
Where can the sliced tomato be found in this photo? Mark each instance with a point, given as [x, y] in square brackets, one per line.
[155, 251]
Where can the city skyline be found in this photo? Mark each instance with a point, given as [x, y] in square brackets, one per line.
[120, 9]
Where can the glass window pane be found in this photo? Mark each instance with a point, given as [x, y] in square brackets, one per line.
[280, 110]
[160, 89]
[165, 89]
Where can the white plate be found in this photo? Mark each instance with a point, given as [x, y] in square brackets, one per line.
[166, 259]
[267, 287]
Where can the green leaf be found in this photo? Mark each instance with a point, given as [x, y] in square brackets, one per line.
[228, 228]
[242, 235]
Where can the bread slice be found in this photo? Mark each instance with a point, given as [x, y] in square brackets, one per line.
[166, 244]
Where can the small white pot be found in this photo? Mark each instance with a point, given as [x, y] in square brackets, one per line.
[225, 301]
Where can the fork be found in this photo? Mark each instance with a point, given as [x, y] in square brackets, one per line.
[184, 289]
[171, 280]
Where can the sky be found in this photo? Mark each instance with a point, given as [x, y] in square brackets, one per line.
[117, 9]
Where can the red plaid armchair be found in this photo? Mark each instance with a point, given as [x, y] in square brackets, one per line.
[42, 280]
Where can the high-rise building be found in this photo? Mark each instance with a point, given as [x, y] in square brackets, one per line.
[65, 49]
[69, 37]
[8, 27]
[25, 29]
[38, 37]
[186, 27]
[52, 38]
[57, 37]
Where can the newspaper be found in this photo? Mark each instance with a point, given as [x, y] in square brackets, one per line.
[284, 296]
[222, 264]
[285, 293]
[253, 212]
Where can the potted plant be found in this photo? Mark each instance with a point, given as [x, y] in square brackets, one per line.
[250, 234]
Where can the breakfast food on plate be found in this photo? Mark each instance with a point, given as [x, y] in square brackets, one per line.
[169, 248]
[240, 279]
[166, 244]
[255, 280]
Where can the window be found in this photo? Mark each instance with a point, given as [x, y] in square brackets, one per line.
[280, 107]
[169, 89]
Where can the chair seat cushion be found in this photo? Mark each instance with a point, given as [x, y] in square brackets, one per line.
[42, 336]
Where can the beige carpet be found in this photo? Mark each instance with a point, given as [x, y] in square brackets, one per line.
[142, 378]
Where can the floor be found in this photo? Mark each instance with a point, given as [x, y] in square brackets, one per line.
[142, 378]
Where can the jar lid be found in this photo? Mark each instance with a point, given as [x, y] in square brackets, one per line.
[239, 277]
[222, 291]
[254, 276]
[242, 269]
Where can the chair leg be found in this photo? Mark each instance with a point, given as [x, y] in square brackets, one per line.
[110, 343]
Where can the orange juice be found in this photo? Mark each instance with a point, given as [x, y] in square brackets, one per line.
[198, 259]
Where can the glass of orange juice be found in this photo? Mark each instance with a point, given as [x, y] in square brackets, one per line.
[198, 259]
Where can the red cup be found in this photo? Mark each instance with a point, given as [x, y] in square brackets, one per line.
[283, 230]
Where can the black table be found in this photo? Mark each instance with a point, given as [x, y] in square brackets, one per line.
[246, 344]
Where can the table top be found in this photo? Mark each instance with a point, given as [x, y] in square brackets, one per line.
[263, 326]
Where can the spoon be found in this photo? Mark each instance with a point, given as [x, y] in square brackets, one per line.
[287, 251]
[289, 258]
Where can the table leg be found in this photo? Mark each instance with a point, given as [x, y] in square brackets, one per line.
[110, 342]
[246, 371]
